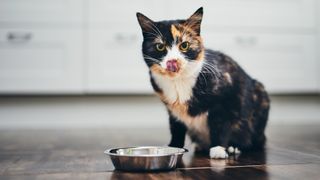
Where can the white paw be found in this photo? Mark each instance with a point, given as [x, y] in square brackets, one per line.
[237, 151]
[233, 150]
[230, 149]
[218, 152]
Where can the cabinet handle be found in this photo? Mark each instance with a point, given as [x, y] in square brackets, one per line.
[19, 37]
[125, 38]
[246, 41]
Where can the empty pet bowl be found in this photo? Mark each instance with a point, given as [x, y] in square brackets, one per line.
[145, 158]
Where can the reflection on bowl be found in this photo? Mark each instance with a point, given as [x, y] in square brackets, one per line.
[145, 158]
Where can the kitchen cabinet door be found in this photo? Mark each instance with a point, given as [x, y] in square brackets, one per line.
[115, 63]
[270, 14]
[45, 12]
[41, 61]
[284, 63]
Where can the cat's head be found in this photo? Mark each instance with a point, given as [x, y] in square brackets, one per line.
[172, 48]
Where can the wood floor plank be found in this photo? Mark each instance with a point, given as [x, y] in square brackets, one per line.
[285, 172]
[78, 154]
[302, 138]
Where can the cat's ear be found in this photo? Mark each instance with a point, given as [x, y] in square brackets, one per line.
[194, 21]
[145, 23]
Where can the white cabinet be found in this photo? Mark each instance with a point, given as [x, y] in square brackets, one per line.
[115, 62]
[123, 12]
[94, 46]
[41, 11]
[283, 62]
[41, 61]
[251, 13]
[41, 46]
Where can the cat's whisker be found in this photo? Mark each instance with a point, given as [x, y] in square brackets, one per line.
[151, 60]
[146, 57]
[210, 65]
[155, 32]
[211, 70]
[204, 78]
[156, 29]
[208, 71]
[151, 33]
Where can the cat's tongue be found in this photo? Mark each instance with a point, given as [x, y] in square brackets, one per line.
[172, 65]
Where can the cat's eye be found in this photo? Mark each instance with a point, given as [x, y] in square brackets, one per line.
[160, 47]
[184, 46]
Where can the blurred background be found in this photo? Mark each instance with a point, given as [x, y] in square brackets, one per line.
[78, 63]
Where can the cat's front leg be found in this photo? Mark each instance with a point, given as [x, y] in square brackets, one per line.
[220, 132]
[178, 132]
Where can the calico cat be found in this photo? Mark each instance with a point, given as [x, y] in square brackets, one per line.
[207, 94]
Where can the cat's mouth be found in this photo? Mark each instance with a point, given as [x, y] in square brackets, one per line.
[171, 68]
[172, 65]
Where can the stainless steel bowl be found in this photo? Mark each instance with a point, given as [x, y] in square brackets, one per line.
[145, 158]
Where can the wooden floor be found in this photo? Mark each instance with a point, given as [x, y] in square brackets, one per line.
[292, 153]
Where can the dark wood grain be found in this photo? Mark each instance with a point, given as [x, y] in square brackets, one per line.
[293, 152]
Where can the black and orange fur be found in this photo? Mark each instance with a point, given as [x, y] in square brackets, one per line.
[237, 105]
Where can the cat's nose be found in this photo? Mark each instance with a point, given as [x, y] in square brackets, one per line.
[172, 65]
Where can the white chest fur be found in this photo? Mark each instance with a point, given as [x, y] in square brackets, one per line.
[179, 89]
[176, 92]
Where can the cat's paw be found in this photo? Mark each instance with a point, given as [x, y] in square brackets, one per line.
[218, 152]
[233, 150]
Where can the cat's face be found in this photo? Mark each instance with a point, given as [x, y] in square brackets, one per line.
[172, 48]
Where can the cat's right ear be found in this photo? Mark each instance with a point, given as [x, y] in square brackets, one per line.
[145, 23]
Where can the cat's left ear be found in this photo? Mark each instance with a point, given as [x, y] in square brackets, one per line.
[194, 21]
[145, 23]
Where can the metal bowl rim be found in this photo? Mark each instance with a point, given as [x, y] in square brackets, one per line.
[108, 151]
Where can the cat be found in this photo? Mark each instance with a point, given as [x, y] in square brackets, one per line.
[207, 94]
